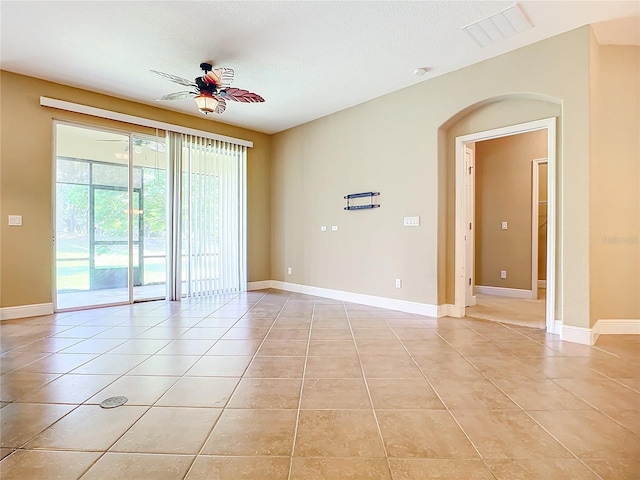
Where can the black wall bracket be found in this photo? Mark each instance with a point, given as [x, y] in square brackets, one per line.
[351, 196]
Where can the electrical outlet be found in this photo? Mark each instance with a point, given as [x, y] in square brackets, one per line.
[288, 270]
[503, 274]
[398, 283]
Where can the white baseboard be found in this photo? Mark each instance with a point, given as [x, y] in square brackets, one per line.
[362, 299]
[505, 292]
[22, 311]
[453, 311]
[618, 326]
[542, 284]
[588, 336]
[583, 335]
[447, 310]
[261, 285]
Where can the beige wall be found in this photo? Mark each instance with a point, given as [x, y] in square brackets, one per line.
[615, 183]
[394, 144]
[503, 177]
[25, 156]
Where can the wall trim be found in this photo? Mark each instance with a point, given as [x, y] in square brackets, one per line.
[360, 298]
[605, 326]
[617, 326]
[542, 284]
[23, 311]
[446, 310]
[505, 292]
[583, 335]
[261, 285]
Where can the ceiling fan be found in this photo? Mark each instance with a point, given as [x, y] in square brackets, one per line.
[210, 91]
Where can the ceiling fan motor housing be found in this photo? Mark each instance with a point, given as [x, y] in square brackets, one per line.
[205, 87]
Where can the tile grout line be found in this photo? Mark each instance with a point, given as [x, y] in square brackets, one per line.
[438, 395]
[519, 406]
[565, 389]
[304, 372]
[467, 359]
[107, 450]
[177, 378]
[366, 386]
[222, 410]
[76, 405]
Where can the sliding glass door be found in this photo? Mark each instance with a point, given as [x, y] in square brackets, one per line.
[125, 203]
[108, 250]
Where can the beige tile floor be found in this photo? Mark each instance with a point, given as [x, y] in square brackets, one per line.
[514, 311]
[271, 385]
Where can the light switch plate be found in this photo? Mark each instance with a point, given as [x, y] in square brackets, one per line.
[504, 225]
[334, 228]
[323, 228]
[15, 220]
[411, 221]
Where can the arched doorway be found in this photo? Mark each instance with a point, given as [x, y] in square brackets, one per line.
[492, 118]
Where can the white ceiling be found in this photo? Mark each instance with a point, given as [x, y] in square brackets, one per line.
[307, 59]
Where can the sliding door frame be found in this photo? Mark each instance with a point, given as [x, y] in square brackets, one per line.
[54, 219]
[139, 121]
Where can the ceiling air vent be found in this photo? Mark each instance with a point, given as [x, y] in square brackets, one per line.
[499, 26]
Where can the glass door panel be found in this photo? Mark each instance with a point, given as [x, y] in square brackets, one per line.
[149, 217]
[92, 220]
[109, 240]
[96, 255]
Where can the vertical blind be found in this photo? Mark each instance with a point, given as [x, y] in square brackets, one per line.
[208, 216]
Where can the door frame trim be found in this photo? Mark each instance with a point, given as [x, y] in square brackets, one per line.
[535, 213]
[470, 299]
[460, 268]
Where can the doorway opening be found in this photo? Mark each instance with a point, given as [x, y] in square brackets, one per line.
[519, 290]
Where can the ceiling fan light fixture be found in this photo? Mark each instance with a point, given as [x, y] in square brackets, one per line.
[206, 103]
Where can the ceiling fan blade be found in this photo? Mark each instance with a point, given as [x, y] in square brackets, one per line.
[175, 96]
[222, 105]
[175, 79]
[240, 95]
[220, 77]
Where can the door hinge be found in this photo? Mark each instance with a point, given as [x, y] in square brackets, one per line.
[469, 225]
[469, 281]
